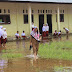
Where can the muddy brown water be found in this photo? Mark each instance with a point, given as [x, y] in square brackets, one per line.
[26, 64]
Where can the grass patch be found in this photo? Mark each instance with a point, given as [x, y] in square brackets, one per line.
[56, 50]
[10, 55]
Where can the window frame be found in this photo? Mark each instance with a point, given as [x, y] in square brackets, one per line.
[5, 23]
[24, 19]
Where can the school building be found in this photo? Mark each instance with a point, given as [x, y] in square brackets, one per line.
[19, 15]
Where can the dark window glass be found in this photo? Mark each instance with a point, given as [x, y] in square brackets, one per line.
[8, 11]
[0, 10]
[43, 11]
[5, 19]
[38, 11]
[23, 11]
[32, 11]
[26, 11]
[32, 18]
[25, 19]
[56, 11]
[4, 11]
[46, 11]
[61, 17]
[63, 11]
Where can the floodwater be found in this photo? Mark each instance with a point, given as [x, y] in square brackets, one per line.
[27, 64]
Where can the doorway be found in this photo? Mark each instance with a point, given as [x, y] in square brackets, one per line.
[41, 22]
[49, 21]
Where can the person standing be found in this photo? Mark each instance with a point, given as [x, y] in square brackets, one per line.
[1, 35]
[34, 39]
[32, 25]
[43, 31]
[47, 29]
[67, 32]
[4, 37]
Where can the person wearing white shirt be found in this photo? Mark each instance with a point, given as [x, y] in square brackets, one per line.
[59, 34]
[67, 32]
[17, 35]
[43, 31]
[23, 35]
[4, 37]
[47, 29]
[1, 35]
[32, 25]
[55, 34]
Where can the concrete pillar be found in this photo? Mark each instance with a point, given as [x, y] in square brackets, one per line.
[58, 19]
[45, 18]
[17, 15]
[29, 17]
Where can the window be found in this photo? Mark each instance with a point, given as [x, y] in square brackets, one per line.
[4, 19]
[26, 11]
[38, 11]
[32, 11]
[32, 18]
[55, 11]
[25, 19]
[8, 11]
[46, 11]
[61, 17]
[43, 11]
[0, 10]
[23, 11]
[4, 11]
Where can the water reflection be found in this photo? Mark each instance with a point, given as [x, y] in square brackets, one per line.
[3, 64]
[27, 64]
[23, 43]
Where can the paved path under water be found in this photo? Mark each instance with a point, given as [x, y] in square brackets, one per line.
[28, 64]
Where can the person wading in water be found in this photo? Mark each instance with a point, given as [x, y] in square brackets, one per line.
[34, 40]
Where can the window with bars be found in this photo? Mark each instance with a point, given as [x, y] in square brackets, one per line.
[5, 19]
[61, 17]
[26, 19]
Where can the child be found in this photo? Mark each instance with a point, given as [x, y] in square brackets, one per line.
[4, 37]
[32, 25]
[1, 35]
[17, 35]
[43, 31]
[55, 33]
[59, 34]
[67, 31]
[35, 38]
[23, 35]
[47, 29]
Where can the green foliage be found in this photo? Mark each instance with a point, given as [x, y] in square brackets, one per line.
[56, 50]
[10, 55]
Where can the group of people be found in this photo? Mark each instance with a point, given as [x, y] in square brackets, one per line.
[58, 34]
[22, 35]
[45, 30]
[3, 36]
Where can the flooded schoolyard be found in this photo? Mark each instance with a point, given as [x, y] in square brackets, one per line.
[27, 64]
